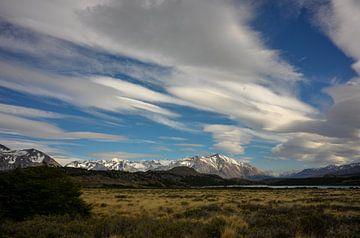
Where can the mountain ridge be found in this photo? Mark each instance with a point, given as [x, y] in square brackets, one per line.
[335, 170]
[217, 164]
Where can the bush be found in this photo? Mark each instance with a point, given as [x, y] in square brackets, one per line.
[39, 191]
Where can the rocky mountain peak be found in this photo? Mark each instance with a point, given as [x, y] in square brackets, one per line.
[10, 159]
[3, 148]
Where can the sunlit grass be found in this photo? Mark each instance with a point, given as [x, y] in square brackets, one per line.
[160, 201]
[225, 213]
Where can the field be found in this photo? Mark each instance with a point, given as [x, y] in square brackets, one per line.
[205, 213]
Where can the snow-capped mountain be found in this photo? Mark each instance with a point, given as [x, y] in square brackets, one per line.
[213, 164]
[117, 164]
[3, 148]
[11, 159]
[221, 165]
[338, 170]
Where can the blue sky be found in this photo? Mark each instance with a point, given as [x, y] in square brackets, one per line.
[275, 83]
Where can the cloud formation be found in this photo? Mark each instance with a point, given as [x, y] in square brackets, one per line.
[317, 149]
[333, 138]
[229, 138]
[10, 124]
[215, 55]
[198, 54]
[232, 139]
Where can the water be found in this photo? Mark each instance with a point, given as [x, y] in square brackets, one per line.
[286, 186]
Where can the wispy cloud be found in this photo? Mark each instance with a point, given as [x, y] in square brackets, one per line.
[333, 138]
[27, 112]
[13, 119]
[189, 145]
[320, 150]
[172, 138]
[229, 138]
[249, 71]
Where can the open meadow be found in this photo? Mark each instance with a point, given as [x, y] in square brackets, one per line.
[206, 213]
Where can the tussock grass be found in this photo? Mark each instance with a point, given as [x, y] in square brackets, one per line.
[204, 213]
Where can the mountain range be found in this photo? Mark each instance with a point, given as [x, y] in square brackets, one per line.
[330, 170]
[215, 164]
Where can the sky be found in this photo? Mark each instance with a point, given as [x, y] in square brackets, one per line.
[274, 83]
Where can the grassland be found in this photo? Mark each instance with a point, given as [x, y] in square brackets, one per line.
[205, 213]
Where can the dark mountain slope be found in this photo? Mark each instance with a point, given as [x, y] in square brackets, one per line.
[175, 178]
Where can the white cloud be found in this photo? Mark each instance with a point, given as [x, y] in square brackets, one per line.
[215, 55]
[321, 150]
[333, 138]
[205, 34]
[135, 91]
[194, 34]
[232, 139]
[255, 105]
[27, 112]
[219, 64]
[80, 92]
[172, 138]
[340, 20]
[143, 106]
[10, 124]
[229, 138]
[189, 145]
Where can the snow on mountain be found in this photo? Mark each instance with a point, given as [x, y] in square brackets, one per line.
[117, 164]
[10, 159]
[346, 169]
[3, 148]
[221, 165]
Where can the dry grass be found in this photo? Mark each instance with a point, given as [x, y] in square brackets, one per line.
[225, 213]
[169, 202]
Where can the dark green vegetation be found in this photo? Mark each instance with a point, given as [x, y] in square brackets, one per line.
[38, 191]
[178, 177]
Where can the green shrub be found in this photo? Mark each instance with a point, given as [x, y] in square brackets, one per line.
[317, 224]
[202, 211]
[39, 191]
[215, 227]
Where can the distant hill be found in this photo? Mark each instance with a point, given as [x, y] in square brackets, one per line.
[221, 165]
[335, 170]
[325, 181]
[11, 159]
[177, 177]
[185, 171]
